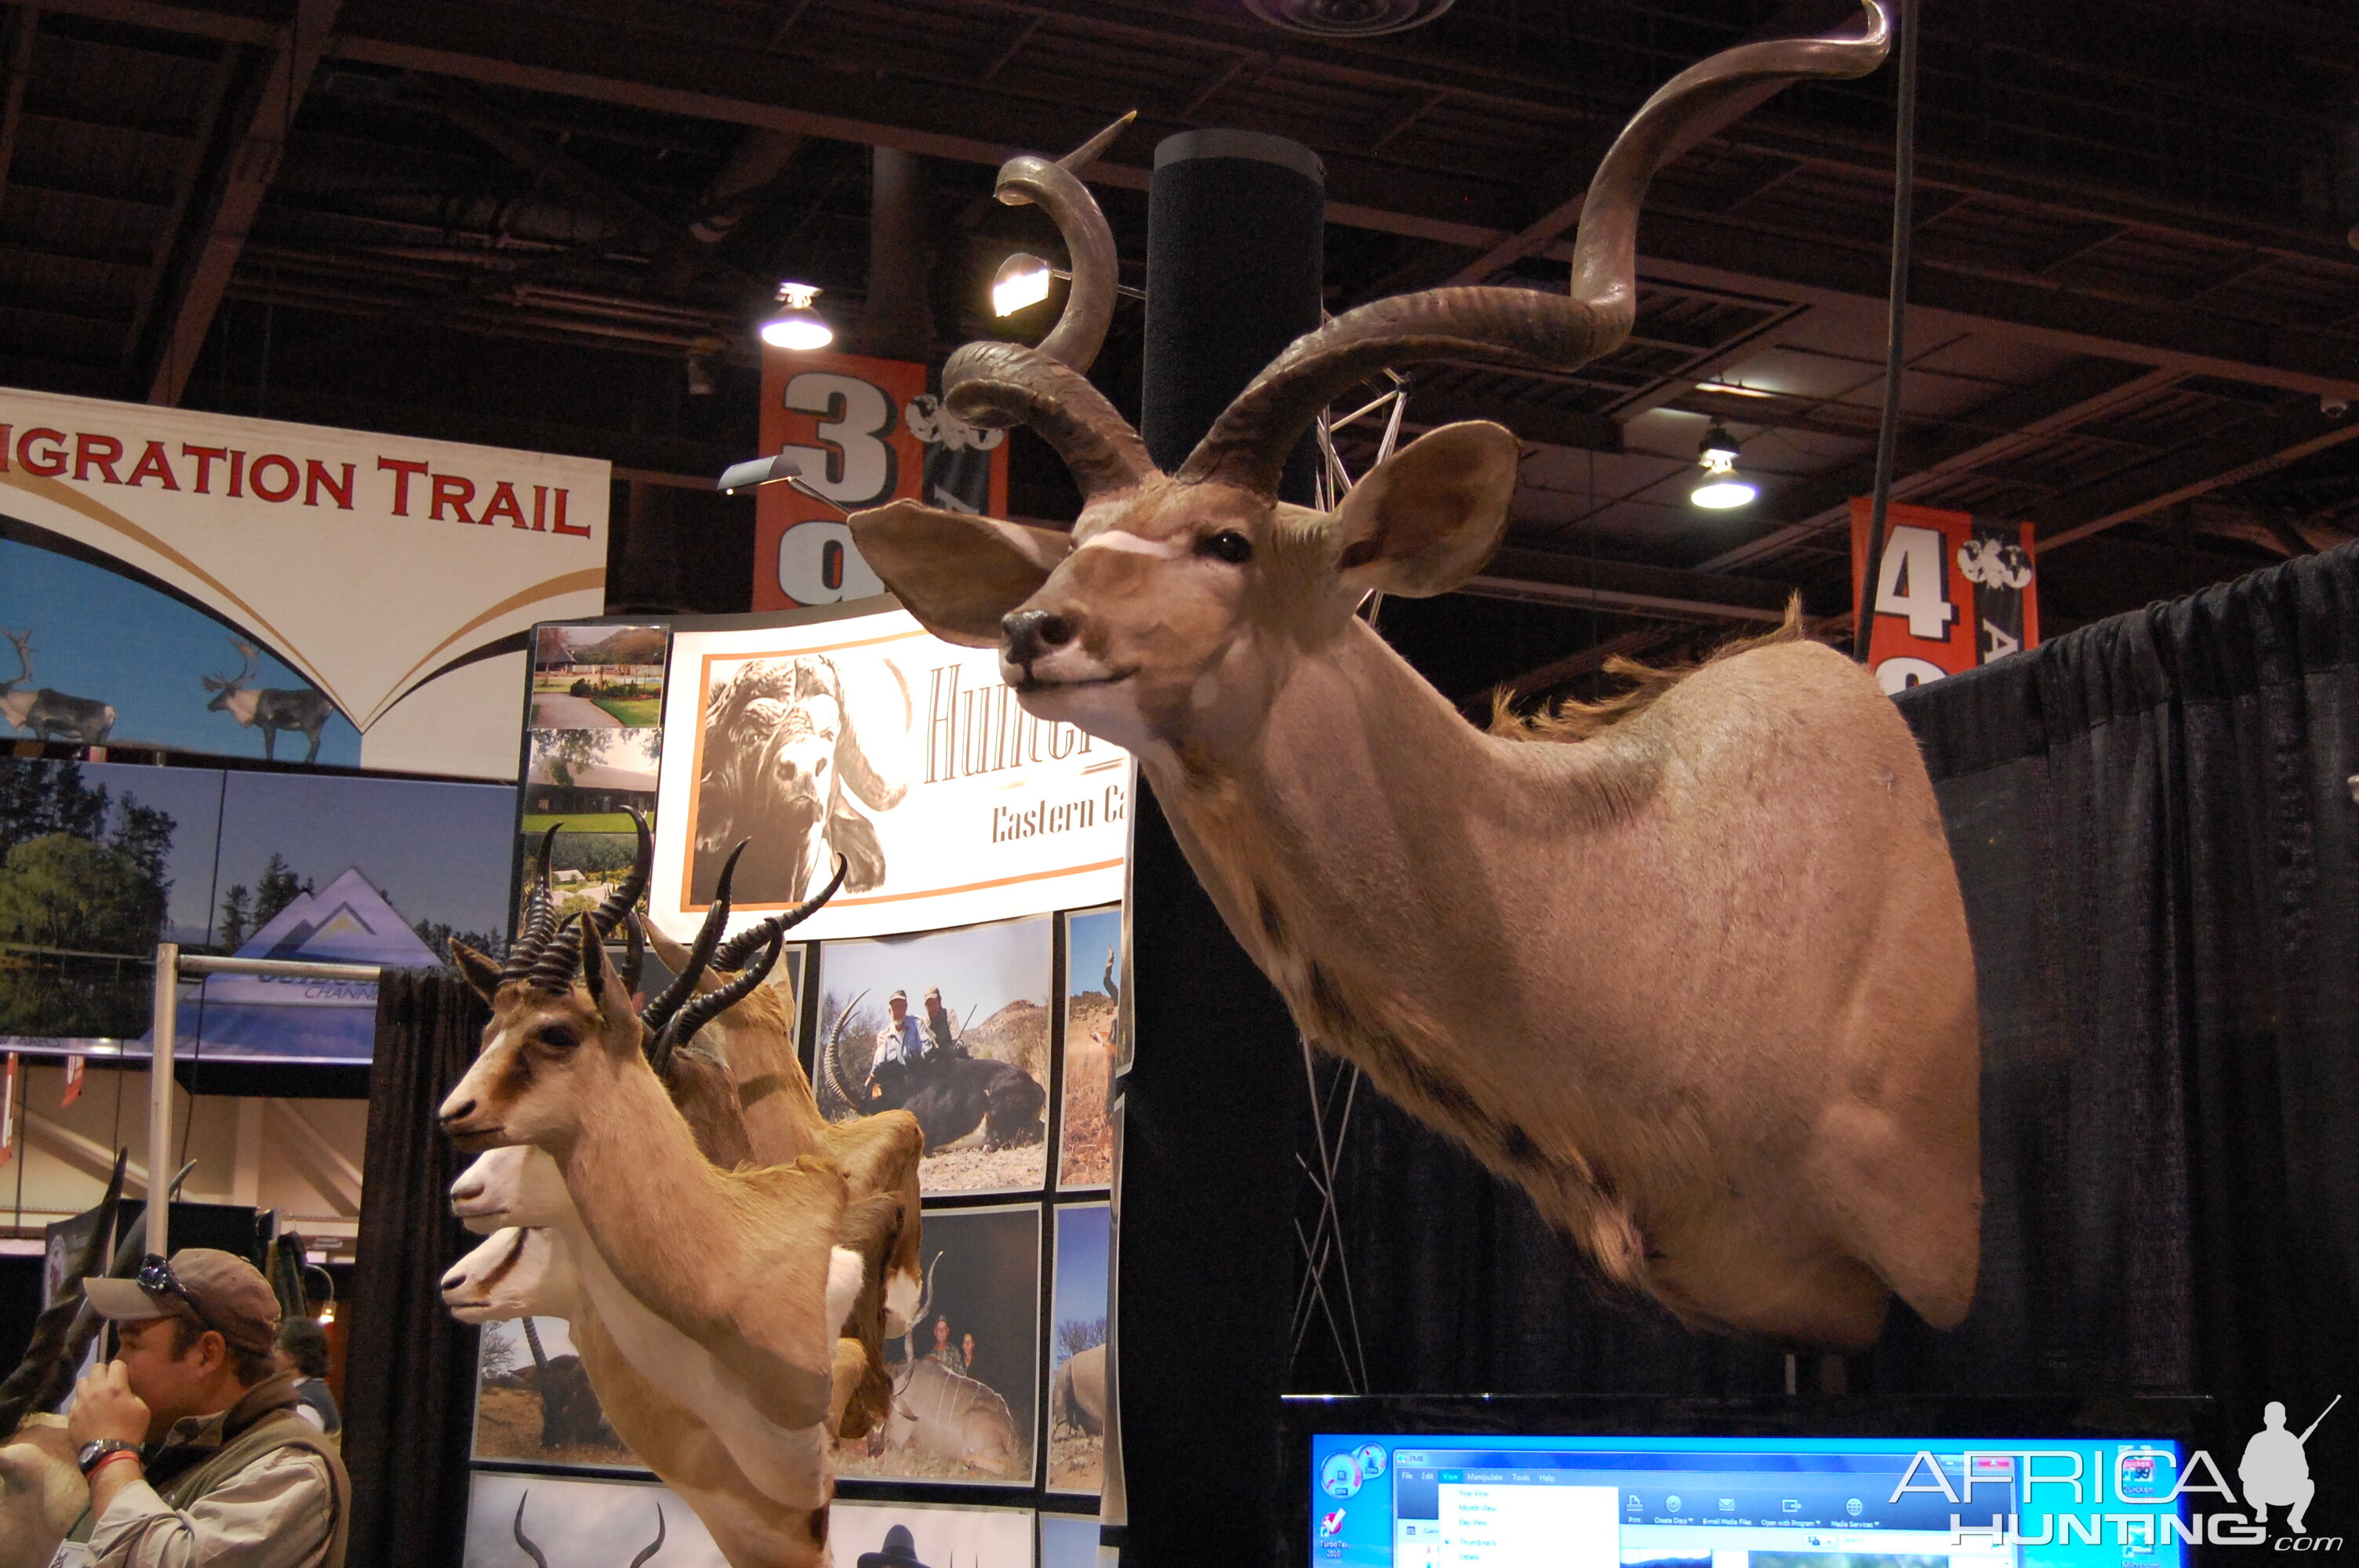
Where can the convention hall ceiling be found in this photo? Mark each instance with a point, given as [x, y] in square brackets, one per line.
[2136, 292]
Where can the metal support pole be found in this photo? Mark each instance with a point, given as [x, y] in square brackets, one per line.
[159, 1099]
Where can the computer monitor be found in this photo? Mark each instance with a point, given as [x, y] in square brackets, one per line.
[1506, 1483]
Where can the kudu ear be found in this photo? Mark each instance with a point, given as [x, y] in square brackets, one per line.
[1425, 519]
[481, 975]
[957, 573]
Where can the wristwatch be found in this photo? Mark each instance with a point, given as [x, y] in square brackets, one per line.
[99, 1450]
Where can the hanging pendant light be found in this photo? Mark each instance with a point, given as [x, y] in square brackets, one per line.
[1721, 486]
[795, 325]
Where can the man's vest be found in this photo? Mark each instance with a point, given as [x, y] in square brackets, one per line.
[277, 1426]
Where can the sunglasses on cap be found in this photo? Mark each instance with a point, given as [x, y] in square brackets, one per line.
[156, 1277]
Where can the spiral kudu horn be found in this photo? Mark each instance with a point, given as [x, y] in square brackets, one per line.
[734, 953]
[1045, 388]
[1249, 444]
[539, 917]
[700, 953]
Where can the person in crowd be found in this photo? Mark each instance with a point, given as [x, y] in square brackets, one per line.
[901, 1039]
[303, 1351]
[189, 1438]
[966, 1354]
[944, 1351]
[940, 1042]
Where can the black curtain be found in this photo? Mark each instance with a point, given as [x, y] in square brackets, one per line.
[2153, 827]
[409, 1370]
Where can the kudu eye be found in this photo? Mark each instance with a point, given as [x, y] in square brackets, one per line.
[1229, 545]
[557, 1037]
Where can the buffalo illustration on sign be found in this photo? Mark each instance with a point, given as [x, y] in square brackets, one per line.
[1648, 963]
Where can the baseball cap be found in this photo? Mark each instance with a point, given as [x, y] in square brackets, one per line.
[211, 1288]
[898, 996]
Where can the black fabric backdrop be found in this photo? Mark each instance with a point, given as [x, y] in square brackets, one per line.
[2157, 847]
[409, 1370]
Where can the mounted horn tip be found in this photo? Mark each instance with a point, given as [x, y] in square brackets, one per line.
[1088, 153]
[634, 885]
[732, 954]
[635, 952]
[653, 1546]
[523, 1539]
[702, 1009]
[812, 907]
[708, 938]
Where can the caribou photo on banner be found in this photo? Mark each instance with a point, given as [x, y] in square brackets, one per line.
[1690, 969]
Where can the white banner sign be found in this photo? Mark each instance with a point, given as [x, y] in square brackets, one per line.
[246, 586]
[866, 737]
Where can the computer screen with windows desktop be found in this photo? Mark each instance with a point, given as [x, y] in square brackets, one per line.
[1422, 1500]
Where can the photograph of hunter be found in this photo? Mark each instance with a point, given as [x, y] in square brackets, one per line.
[1644, 961]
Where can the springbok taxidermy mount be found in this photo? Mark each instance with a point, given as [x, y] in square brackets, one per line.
[1697, 979]
[51, 715]
[301, 711]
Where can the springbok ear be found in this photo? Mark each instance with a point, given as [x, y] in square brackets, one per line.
[957, 573]
[1425, 519]
[482, 974]
[673, 955]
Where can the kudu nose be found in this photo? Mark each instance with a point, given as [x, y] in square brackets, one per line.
[1029, 633]
[454, 1113]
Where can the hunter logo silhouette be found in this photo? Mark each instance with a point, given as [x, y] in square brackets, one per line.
[2276, 1467]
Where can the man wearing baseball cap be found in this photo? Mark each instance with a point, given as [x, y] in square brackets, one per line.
[189, 1439]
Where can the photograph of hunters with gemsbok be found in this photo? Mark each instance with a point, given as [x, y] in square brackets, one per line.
[1092, 1049]
[952, 1027]
[598, 677]
[966, 1376]
[93, 657]
[533, 1400]
[1077, 1348]
[798, 756]
[552, 1521]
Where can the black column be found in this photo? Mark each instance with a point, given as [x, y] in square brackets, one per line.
[1213, 1102]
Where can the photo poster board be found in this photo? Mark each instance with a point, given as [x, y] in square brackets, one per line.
[992, 1216]
[99, 861]
[254, 588]
[1954, 591]
[866, 431]
[594, 738]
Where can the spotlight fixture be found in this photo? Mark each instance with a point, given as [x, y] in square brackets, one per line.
[1022, 280]
[1722, 486]
[797, 325]
[756, 472]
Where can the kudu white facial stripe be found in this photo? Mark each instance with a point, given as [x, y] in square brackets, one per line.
[1116, 539]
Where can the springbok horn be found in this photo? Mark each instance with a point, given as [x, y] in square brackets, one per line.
[1046, 388]
[707, 937]
[1249, 443]
[39, 1381]
[702, 1009]
[828, 1063]
[521, 1538]
[633, 887]
[734, 952]
[537, 918]
[634, 953]
[653, 1546]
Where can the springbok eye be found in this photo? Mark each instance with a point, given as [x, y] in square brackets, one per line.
[558, 1037]
[1229, 545]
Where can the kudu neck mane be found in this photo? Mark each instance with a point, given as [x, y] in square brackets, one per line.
[1306, 830]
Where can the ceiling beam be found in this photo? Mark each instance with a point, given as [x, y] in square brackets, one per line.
[252, 164]
[1432, 407]
[2071, 396]
[25, 27]
[2245, 453]
[1548, 576]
